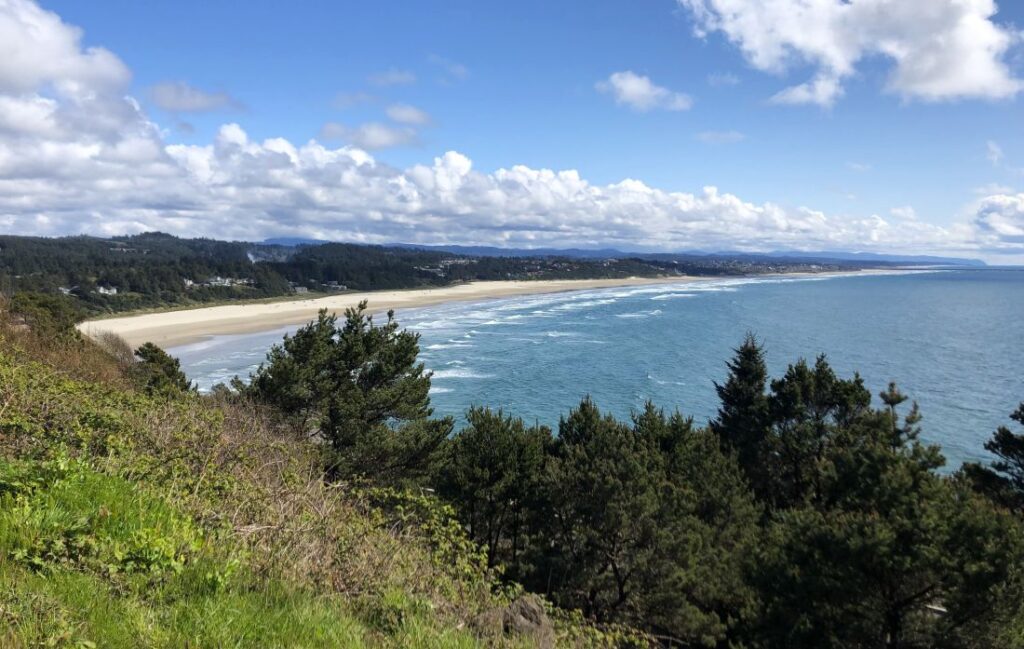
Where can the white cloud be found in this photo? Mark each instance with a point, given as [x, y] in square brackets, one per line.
[406, 114]
[180, 97]
[392, 77]
[1001, 219]
[993, 153]
[859, 167]
[940, 49]
[640, 93]
[90, 161]
[371, 135]
[37, 48]
[720, 137]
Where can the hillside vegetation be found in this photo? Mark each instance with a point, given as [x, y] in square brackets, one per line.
[168, 519]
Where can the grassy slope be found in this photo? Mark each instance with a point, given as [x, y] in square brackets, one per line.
[128, 520]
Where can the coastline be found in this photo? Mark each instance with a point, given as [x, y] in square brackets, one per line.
[192, 325]
[186, 326]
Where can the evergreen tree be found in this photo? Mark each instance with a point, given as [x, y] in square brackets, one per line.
[807, 406]
[52, 316]
[742, 421]
[604, 513]
[647, 525]
[158, 372]
[360, 388]
[1003, 480]
[493, 472]
[889, 554]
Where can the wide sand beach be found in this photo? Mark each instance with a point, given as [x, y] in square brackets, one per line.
[171, 328]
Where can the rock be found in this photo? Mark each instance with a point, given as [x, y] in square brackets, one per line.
[526, 617]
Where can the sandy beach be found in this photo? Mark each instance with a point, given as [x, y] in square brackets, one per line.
[172, 328]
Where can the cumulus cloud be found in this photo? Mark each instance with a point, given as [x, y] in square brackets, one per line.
[371, 135]
[392, 77]
[37, 48]
[640, 93]
[180, 97]
[940, 49]
[720, 137]
[1001, 218]
[77, 156]
[406, 114]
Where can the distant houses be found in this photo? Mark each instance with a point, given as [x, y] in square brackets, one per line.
[327, 287]
[217, 280]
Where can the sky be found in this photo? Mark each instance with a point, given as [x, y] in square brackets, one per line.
[856, 125]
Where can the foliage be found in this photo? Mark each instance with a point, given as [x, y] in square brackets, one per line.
[360, 388]
[492, 471]
[643, 525]
[158, 372]
[742, 421]
[1003, 481]
[53, 316]
[136, 520]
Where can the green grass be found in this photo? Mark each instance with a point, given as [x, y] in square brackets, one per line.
[88, 559]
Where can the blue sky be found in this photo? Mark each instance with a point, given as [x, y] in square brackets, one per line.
[508, 84]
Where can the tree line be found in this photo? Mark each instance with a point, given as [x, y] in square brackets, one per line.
[803, 515]
[155, 269]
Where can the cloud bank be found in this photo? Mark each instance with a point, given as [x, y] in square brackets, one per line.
[78, 156]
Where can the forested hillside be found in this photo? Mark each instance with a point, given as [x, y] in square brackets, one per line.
[323, 504]
[158, 270]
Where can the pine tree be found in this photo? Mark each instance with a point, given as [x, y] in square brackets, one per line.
[890, 555]
[807, 407]
[359, 387]
[1003, 480]
[492, 473]
[158, 372]
[742, 422]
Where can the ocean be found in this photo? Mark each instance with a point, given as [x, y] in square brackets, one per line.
[952, 340]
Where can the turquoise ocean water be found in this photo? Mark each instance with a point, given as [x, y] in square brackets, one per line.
[953, 340]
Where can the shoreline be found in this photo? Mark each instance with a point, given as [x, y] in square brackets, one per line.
[192, 325]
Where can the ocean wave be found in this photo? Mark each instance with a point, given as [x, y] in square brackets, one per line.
[639, 314]
[672, 296]
[449, 345]
[582, 304]
[459, 373]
